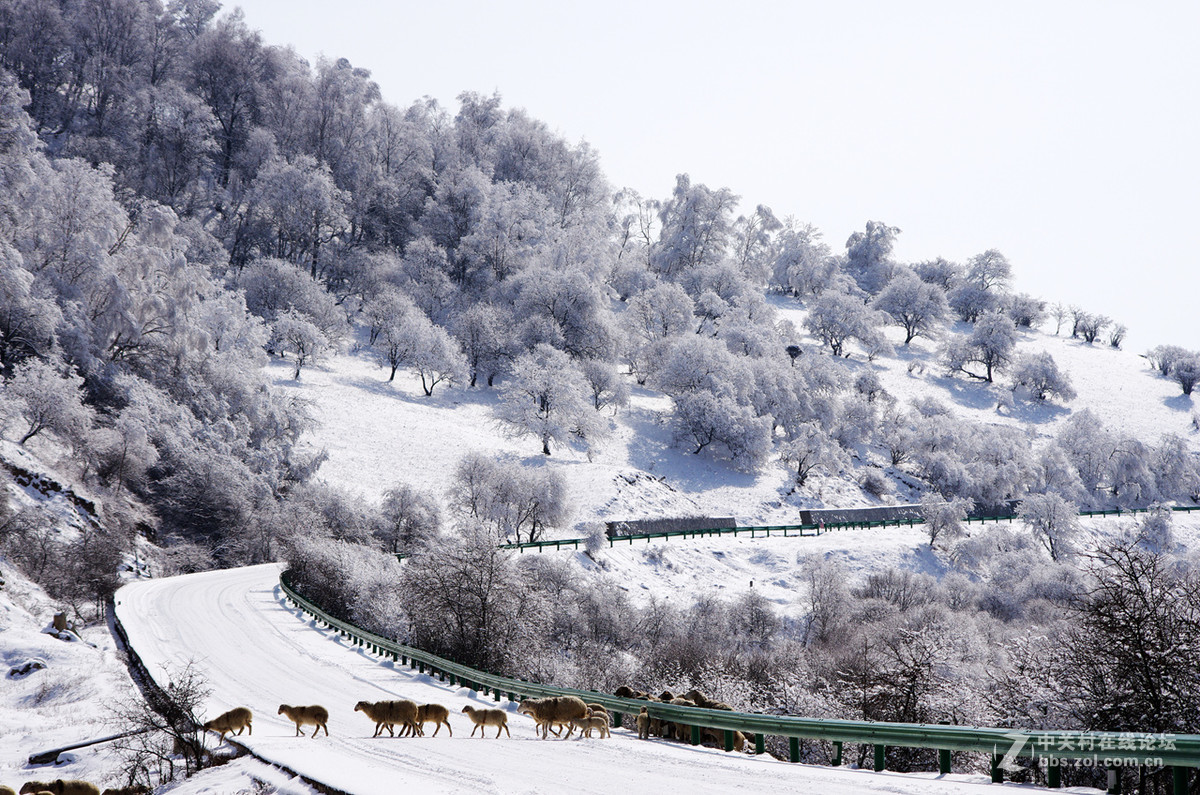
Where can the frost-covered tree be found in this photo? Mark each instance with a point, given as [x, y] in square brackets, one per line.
[409, 517]
[703, 417]
[516, 502]
[990, 345]
[1091, 326]
[754, 243]
[804, 264]
[435, 356]
[1089, 447]
[1131, 649]
[810, 449]
[697, 222]
[939, 271]
[40, 397]
[606, 385]
[836, 318]
[1039, 373]
[27, 322]
[299, 209]
[485, 335]
[1176, 470]
[292, 333]
[868, 256]
[944, 518]
[546, 396]
[1163, 357]
[984, 280]
[1054, 521]
[914, 305]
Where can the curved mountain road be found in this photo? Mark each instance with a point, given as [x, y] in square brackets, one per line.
[253, 649]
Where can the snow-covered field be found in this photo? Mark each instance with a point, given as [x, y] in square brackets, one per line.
[256, 651]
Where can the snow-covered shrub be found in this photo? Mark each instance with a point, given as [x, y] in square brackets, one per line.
[1186, 372]
[875, 483]
[703, 417]
[1026, 311]
[1163, 357]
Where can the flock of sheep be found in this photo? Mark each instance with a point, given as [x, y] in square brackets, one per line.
[71, 787]
[551, 715]
[648, 725]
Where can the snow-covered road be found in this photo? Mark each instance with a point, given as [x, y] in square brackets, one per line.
[254, 650]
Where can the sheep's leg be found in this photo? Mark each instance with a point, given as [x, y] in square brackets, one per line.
[506, 731]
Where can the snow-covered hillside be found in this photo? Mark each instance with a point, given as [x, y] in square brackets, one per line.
[378, 434]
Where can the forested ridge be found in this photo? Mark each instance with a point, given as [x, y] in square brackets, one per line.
[182, 200]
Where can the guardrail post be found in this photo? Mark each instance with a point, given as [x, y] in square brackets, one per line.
[880, 757]
[760, 743]
[1179, 778]
[420, 666]
[695, 735]
[944, 754]
[793, 749]
[1114, 774]
[997, 771]
[1053, 773]
[837, 753]
[728, 740]
[496, 693]
[616, 720]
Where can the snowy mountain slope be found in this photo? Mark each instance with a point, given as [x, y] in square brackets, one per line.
[64, 702]
[255, 650]
[379, 433]
[1119, 386]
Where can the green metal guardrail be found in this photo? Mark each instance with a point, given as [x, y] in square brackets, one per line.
[792, 530]
[1180, 752]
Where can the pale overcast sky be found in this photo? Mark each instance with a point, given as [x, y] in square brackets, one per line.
[1065, 134]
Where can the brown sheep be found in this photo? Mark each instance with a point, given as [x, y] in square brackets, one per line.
[625, 691]
[587, 724]
[682, 731]
[316, 715]
[60, 787]
[387, 714]
[598, 709]
[554, 711]
[718, 738]
[433, 713]
[7, 790]
[135, 789]
[237, 718]
[487, 717]
[643, 724]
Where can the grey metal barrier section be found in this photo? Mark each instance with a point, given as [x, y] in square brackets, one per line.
[1180, 752]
